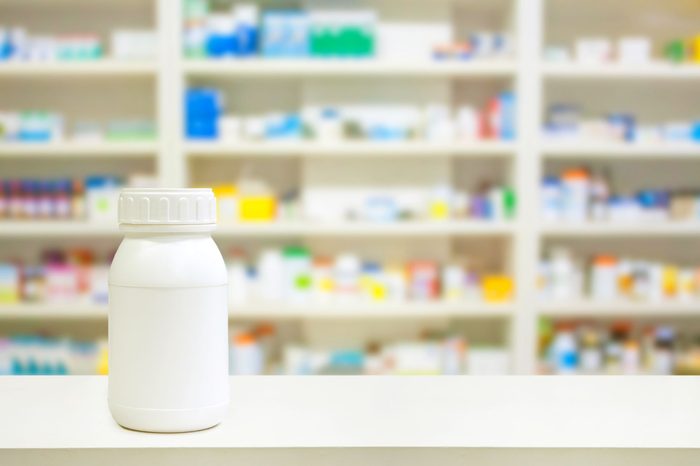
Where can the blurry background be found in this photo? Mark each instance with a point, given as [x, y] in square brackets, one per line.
[404, 187]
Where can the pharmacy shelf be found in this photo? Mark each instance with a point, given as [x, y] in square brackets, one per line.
[609, 71]
[578, 149]
[359, 310]
[87, 69]
[529, 77]
[65, 150]
[58, 311]
[620, 229]
[400, 310]
[50, 228]
[393, 229]
[291, 68]
[350, 149]
[619, 308]
[365, 310]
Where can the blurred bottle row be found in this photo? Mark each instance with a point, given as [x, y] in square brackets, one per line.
[607, 277]
[620, 348]
[632, 50]
[579, 194]
[260, 350]
[34, 126]
[212, 30]
[252, 200]
[564, 347]
[19, 45]
[565, 122]
[94, 198]
[27, 354]
[288, 275]
[294, 275]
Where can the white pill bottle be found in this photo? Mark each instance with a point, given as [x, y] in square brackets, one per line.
[168, 316]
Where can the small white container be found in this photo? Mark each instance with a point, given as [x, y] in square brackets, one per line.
[329, 125]
[347, 276]
[564, 274]
[557, 54]
[453, 280]
[467, 124]
[604, 278]
[101, 202]
[551, 199]
[271, 275]
[168, 316]
[634, 50]
[439, 126]
[297, 274]
[247, 357]
[230, 128]
[496, 200]
[576, 191]
[593, 50]
[238, 282]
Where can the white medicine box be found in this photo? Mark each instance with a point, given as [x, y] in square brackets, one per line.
[102, 200]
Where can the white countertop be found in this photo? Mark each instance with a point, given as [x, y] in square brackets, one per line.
[392, 412]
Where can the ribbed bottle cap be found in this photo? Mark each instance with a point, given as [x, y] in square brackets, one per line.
[156, 206]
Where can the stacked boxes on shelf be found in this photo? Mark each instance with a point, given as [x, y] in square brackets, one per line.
[205, 120]
[257, 350]
[252, 200]
[579, 195]
[609, 278]
[622, 348]
[293, 275]
[18, 45]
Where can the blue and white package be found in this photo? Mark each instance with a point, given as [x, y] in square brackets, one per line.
[5, 45]
[221, 40]
[288, 126]
[508, 124]
[624, 124]
[381, 209]
[202, 111]
[677, 131]
[247, 30]
[285, 33]
[695, 132]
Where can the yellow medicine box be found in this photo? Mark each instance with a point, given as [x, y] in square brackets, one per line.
[439, 211]
[258, 208]
[695, 49]
[498, 288]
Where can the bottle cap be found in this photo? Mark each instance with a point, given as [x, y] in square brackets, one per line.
[605, 260]
[244, 339]
[295, 252]
[157, 206]
[575, 174]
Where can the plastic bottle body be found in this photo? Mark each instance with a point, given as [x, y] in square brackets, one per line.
[168, 332]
